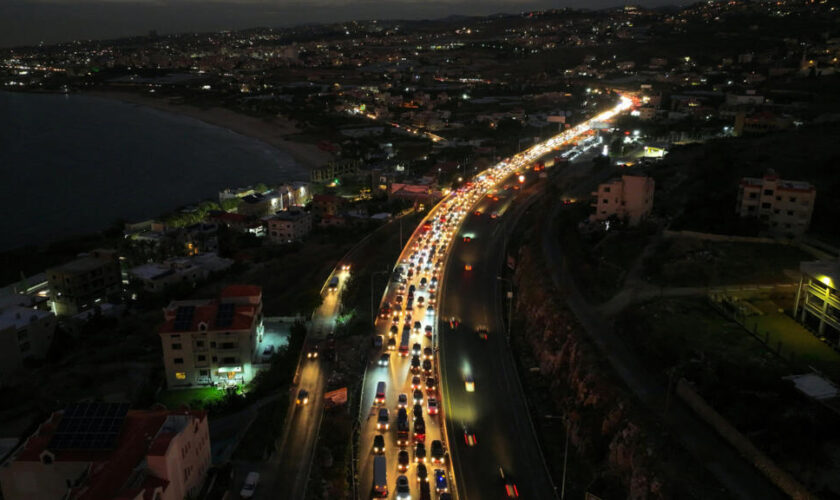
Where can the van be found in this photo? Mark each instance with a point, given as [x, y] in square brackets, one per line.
[380, 393]
[250, 485]
[380, 477]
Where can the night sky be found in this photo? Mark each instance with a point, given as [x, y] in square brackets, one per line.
[33, 21]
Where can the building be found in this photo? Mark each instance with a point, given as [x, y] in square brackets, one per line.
[326, 204]
[259, 205]
[289, 225]
[785, 206]
[629, 198]
[103, 451]
[818, 298]
[214, 341]
[25, 333]
[81, 284]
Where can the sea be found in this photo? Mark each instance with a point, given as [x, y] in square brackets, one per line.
[75, 164]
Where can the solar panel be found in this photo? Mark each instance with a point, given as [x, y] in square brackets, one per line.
[89, 426]
[184, 317]
[224, 315]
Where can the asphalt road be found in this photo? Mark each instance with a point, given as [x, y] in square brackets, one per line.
[287, 472]
[397, 376]
[496, 411]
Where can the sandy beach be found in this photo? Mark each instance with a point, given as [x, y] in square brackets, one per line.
[274, 132]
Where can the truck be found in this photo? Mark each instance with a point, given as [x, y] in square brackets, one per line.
[380, 477]
[406, 333]
[333, 285]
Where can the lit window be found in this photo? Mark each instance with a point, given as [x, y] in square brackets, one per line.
[181, 375]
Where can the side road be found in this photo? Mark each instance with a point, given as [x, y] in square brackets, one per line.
[735, 473]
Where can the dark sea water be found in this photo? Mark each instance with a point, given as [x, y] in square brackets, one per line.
[75, 164]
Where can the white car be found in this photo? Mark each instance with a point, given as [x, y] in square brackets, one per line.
[469, 382]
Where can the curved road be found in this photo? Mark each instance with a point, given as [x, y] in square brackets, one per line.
[496, 411]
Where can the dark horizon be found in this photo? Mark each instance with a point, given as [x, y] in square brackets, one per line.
[28, 24]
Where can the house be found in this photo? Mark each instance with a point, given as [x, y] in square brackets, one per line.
[104, 451]
[212, 341]
[326, 204]
[25, 333]
[785, 206]
[289, 225]
[629, 197]
[259, 205]
[818, 298]
[80, 284]
[156, 277]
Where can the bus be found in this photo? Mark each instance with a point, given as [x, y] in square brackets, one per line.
[380, 477]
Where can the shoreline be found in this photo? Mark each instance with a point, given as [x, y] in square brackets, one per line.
[274, 133]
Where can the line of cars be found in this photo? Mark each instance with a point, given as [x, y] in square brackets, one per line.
[419, 269]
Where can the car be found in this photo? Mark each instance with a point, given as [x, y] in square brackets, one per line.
[415, 364]
[393, 330]
[345, 267]
[438, 456]
[429, 331]
[429, 310]
[385, 359]
[420, 453]
[392, 344]
[427, 367]
[432, 405]
[467, 267]
[469, 382]
[251, 481]
[441, 485]
[269, 351]
[418, 396]
[403, 490]
[417, 326]
[453, 323]
[477, 213]
[511, 491]
[428, 353]
[302, 397]
[416, 349]
[378, 341]
[431, 385]
[398, 299]
[402, 400]
[423, 282]
[469, 436]
[467, 239]
[482, 332]
[402, 461]
[420, 301]
[415, 382]
[418, 410]
[382, 420]
[422, 473]
[379, 444]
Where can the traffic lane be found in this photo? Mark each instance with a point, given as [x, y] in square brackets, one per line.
[297, 451]
[499, 422]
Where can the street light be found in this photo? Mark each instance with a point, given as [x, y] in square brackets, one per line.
[510, 304]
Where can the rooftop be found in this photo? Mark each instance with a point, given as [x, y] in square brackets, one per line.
[19, 317]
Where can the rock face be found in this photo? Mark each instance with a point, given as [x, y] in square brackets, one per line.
[601, 426]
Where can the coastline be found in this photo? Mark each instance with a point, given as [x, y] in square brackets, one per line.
[274, 132]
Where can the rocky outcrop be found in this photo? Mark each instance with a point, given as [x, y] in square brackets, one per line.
[602, 426]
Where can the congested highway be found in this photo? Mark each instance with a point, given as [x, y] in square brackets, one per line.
[404, 447]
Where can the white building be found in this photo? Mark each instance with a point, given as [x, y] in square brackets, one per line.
[785, 206]
[213, 341]
[25, 333]
[629, 197]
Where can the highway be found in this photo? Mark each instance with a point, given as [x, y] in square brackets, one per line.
[288, 468]
[467, 273]
[496, 412]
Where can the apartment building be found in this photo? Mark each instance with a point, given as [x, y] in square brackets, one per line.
[629, 198]
[80, 284]
[104, 451]
[818, 298]
[214, 341]
[25, 333]
[785, 206]
[289, 225]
